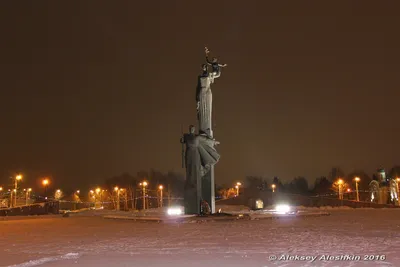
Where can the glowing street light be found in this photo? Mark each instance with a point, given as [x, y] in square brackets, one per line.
[116, 189]
[357, 179]
[340, 183]
[273, 188]
[161, 195]
[27, 195]
[144, 184]
[237, 186]
[17, 178]
[78, 192]
[99, 192]
[45, 183]
[1, 188]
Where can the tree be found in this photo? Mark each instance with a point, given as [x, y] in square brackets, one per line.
[298, 185]
[254, 182]
[335, 174]
[227, 193]
[58, 194]
[363, 184]
[278, 185]
[394, 172]
[338, 186]
[322, 186]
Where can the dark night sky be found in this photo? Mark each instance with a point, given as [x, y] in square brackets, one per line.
[91, 89]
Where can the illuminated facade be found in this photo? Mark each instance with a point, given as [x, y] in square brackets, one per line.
[384, 189]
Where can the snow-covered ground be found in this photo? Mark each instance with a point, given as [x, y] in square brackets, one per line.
[94, 241]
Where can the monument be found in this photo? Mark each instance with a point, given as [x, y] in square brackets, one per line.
[200, 155]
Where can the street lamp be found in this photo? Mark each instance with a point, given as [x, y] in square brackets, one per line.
[45, 183]
[144, 184]
[98, 192]
[116, 189]
[273, 188]
[27, 195]
[237, 186]
[17, 178]
[340, 183]
[161, 195]
[357, 179]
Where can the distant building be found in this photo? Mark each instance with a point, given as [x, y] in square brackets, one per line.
[384, 189]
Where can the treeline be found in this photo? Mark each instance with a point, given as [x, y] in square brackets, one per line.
[174, 182]
[321, 185]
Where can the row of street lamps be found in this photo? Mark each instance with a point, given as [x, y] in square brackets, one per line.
[144, 184]
[118, 191]
[239, 184]
[340, 182]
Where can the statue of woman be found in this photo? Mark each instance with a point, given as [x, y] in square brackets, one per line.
[204, 101]
[216, 66]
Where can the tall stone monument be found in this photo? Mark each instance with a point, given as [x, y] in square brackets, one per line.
[200, 154]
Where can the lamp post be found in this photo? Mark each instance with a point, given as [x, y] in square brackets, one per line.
[11, 197]
[357, 179]
[91, 192]
[17, 178]
[45, 183]
[116, 189]
[238, 184]
[340, 183]
[99, 193]
[144, 184]
[27, 196]
[161, 198]
[273, 188]
[125, 197]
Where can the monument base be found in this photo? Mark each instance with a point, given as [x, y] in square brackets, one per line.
[208, 189]
[205, 190]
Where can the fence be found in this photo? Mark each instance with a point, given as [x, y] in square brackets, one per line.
[33, 209]
[270, 198]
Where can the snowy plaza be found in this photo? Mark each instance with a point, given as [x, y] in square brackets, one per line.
[348, 237]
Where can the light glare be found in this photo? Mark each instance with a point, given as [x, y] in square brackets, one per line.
[174, 211]
[282, 208]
